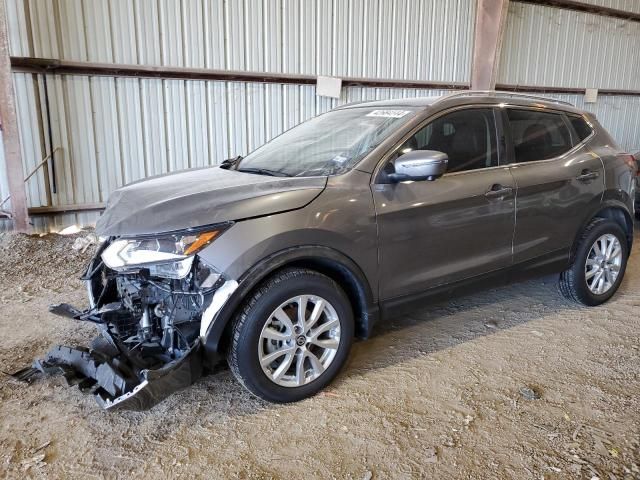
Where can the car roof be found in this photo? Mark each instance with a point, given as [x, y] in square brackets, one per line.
[395, 102]
[467, 97]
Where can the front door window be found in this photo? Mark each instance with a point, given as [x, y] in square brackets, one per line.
[468, 137]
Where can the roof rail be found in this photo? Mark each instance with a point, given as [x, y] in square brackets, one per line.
[498, 93]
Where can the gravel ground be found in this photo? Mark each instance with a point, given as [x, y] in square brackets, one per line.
[511, 383]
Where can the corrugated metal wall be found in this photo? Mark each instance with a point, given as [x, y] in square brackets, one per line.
[112, 131]
[562, 48]
[410, 39]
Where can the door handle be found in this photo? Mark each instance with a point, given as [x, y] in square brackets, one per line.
[498, 191]
[587, 176]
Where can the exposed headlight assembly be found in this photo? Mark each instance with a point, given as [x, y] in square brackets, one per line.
[165, 255]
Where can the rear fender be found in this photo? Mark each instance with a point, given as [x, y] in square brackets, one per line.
[614, 207]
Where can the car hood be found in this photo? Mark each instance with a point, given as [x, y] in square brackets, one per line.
[205, 196]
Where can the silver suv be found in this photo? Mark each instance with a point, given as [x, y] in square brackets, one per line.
[276, 261]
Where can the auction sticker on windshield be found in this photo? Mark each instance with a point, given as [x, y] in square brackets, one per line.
[388, 113]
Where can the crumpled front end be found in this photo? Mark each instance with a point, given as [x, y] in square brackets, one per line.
[150, 321]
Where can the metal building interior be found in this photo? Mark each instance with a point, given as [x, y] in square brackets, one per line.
[96, 94]
[116, 91]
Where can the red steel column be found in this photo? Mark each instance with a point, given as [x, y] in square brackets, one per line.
[491, 16]
[9, 126]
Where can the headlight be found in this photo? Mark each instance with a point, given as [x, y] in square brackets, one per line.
[167, 255]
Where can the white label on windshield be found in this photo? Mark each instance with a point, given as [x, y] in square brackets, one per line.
[388, 113]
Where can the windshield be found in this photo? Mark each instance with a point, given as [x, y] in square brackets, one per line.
[329, 144]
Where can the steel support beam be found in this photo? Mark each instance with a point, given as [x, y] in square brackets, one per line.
[586, 8]
[66, 67]
[491, 17]
[9, 126]
[52, 66]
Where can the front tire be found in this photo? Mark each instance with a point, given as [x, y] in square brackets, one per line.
[292, 336]
[598, 265]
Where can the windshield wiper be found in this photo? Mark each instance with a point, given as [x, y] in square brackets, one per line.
[264, 171]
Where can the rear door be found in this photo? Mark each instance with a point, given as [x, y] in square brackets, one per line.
[461, 225]
[557, 177]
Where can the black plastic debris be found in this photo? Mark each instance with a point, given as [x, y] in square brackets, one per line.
[113, 377]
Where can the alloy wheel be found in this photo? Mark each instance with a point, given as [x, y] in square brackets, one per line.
[299, 340]
[603, 264]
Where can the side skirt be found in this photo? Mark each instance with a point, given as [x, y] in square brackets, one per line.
[548, 264]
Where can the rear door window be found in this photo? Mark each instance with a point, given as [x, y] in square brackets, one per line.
[538, 135]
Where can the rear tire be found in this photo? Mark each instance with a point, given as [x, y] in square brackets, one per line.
[595, 275]
[292, 336]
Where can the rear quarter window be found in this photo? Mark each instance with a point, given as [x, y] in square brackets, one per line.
[581, 127]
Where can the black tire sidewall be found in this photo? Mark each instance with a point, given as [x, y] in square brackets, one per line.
[602, 228]
[247, 350]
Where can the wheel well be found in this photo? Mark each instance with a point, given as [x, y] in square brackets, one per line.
[621, 217]
[355, 287]
[618, 215]
[349, 282]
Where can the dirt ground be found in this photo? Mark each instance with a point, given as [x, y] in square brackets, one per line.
[440, 393]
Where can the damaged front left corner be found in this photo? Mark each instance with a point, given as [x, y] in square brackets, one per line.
[149, 341]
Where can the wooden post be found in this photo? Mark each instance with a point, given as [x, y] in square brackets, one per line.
[491, 16]
[9, 126]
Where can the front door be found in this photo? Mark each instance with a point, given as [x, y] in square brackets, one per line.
[456, 227]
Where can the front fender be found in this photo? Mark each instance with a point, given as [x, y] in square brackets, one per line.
[306, 255]
[336, 234]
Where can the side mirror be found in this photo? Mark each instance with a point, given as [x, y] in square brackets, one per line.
[419, 165]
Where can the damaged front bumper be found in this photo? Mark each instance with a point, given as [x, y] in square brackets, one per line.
[151, 332]
[114, 379]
